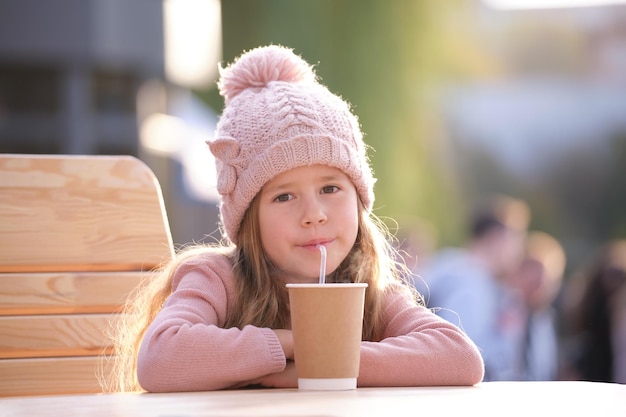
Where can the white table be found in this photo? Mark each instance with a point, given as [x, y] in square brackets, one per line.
[526, 399]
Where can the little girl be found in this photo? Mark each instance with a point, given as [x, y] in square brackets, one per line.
[292, 174]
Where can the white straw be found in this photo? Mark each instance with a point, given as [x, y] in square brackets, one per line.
[322, 249]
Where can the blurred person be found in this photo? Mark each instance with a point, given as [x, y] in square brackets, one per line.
[538, 281]
[466, 285]
[618, 338]
[594, 316]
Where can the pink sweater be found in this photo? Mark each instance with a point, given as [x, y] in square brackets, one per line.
[187, 349]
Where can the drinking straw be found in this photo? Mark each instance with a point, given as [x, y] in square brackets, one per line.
[322, 249]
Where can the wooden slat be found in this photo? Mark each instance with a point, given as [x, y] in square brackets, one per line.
[54, 335]
[64, 213]
[58, 293]
[77, 235]
[50, 376]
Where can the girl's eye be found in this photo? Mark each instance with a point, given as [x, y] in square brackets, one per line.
[283, 197]
[329, 189]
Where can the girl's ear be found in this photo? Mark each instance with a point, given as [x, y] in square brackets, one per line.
[226, 152]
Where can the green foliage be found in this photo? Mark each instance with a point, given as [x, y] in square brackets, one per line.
[384, 57]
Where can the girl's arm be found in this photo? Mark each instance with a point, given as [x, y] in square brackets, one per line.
[186, 349]
[419, 349]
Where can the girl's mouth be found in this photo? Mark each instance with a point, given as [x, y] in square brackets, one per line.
[314, 244]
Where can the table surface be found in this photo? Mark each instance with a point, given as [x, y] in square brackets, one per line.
[486, 399]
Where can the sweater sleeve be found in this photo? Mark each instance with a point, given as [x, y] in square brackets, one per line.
[186, 347]
[418, 349]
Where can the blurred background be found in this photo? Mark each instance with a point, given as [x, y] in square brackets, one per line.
[459, 98]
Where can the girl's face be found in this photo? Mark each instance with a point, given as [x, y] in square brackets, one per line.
[304, 207]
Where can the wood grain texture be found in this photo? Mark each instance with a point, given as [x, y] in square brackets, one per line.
[49, 376]
[80, 213]
[77, 235]
[66, 292]
[54, 335]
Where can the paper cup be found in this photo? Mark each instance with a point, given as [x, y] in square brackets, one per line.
[327, 322]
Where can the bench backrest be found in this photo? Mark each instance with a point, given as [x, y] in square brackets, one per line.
[77, 234]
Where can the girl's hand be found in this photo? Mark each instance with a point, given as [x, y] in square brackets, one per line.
[284, 379]
[285, 337]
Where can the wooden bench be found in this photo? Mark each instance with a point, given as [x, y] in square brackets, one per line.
[77, 234]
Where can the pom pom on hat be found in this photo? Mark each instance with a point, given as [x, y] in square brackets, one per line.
[278, 117]
[259, 67]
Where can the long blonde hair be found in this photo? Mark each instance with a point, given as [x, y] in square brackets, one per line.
[261, 300]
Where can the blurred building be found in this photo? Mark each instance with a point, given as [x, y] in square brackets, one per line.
[72, 71]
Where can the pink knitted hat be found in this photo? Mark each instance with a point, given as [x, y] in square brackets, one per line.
[278, 117]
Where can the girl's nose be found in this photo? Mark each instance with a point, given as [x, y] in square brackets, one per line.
[314, 213]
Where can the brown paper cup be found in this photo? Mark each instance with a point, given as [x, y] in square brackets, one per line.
[327, 321]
